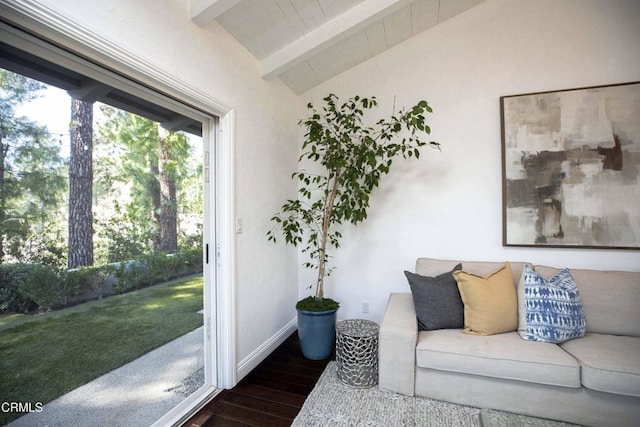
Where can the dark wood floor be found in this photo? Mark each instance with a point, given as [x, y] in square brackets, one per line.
[271, 395]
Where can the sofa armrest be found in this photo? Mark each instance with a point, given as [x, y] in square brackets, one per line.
[398, 338]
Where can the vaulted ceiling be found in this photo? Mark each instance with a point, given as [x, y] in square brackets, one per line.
[306, 42]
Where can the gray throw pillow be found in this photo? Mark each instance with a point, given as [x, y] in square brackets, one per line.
[437, 300]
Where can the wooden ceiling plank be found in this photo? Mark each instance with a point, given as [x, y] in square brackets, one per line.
[449, 9]
[376, 38]
[424, 14]
[335, 30]
[333, 8]
[204, 12]
[310, 13]
[292, 17]
[398, 26]
[297, 77]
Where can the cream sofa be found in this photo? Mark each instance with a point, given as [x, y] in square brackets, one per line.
[594, 380]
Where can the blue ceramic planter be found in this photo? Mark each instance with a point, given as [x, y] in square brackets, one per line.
[317, 333]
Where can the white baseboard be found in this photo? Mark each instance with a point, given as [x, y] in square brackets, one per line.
[249, 363]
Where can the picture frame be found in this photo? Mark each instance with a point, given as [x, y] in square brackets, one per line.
[571, 168]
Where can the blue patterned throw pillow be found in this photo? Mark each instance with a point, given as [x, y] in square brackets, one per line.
[553, 308]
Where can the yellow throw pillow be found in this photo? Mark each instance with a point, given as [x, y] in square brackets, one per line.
[490, 302]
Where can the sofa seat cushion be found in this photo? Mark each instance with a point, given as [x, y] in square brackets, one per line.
[504, 356]
[610, 363]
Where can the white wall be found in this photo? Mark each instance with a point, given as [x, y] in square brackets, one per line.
[448, 204]
[266, 137]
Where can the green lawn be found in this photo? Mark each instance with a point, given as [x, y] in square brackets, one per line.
[45, 356]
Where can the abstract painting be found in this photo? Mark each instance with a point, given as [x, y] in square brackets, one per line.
[571, 168]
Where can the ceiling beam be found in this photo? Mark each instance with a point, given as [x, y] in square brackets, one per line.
[328, 34]
[176, 123]
[89, 91]
[204, 12]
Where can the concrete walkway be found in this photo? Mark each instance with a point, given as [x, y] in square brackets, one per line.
[136, 394]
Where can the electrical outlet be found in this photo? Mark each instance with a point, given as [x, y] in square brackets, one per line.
[365, 307]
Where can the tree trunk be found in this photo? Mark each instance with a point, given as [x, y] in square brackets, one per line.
[81, 185]
[3, 153]
[168, 204]
[329, 204]
[156, 201]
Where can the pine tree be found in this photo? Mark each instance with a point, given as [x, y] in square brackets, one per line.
[81, 185]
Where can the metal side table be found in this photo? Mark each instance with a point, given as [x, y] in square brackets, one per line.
[357, 352]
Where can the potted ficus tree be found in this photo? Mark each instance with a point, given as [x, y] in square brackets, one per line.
[347, 160]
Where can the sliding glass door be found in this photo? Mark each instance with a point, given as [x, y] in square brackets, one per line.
[129, 332]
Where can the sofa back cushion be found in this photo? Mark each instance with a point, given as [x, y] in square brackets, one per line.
[610, 299]
[434, 267]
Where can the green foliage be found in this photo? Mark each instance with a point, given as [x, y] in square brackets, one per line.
[190, 260]
[127, 201]
[33, 172]
[11, 275]
[192, 239]
[16, 89]
[88, 278]
[130, 275]
[178, 151]
[27, 287]
[46, 248]
[128, 234]
[45, 286]
[161, 266]
[42, 174]
[156, 267]
[352, 158]
[149, 156]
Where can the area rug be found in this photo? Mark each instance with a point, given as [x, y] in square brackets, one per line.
[332, 403]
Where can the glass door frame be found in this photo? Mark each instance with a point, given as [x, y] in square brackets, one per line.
[37, 29]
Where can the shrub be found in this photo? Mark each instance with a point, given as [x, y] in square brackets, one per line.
[161, 266]
[130, 275]
[128, 234]
[27, 287]
[46, 249]
[88, 278]
[191, 260]
[45, 286]
[164, 267]
[11, 275]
